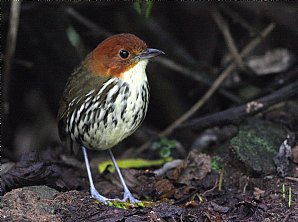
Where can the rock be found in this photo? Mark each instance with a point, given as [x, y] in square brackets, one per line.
[44, 192]
[256, 145]
[42, 203]
[29, 204]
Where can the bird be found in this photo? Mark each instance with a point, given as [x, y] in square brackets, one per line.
[106, 99]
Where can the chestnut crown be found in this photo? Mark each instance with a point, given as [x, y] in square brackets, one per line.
[117, 54]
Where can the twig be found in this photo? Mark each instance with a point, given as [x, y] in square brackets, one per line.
[223, 26]
[195, 76]
[86, 22]
[220, 180]
[210, 190]
[201, 102]
[10, 51]
[238, 19]
[292, 178]
[186, 197]
[179, 49]
[249, 47]
[167, 166]
[287, 217]
[236, 114]
[217, 82]
[166, 36]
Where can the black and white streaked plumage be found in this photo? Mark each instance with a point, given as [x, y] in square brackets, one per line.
[106, 99]
[106, 116]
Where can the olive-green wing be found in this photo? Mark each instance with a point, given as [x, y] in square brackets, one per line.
[80, 83]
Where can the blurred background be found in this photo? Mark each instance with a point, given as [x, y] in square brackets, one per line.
[53, 37]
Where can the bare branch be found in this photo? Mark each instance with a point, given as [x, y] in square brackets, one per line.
[95, 28]
[238, 19]
[194, 75]
[235, 114]
[248, 48]
[10, 51]
[223, 26]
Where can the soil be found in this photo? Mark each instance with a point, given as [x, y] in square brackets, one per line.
[243, 197]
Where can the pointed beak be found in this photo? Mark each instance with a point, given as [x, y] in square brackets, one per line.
[149, 53]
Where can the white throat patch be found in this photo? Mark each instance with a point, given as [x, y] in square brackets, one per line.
[137, 74]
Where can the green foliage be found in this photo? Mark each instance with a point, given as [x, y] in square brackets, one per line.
[76, 40]
[143, 7]
[289, 197]
[117, 204]
[125, 205]
[215, 163]
[140, 204]
[164, 146]
[73, 36]
[131, 163]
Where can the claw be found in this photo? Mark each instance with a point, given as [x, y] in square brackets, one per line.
[100, 198]
[129, 196]
[97, 196]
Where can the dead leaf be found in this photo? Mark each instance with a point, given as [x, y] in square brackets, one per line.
[195, 167]
[178, 171]
[164, 189]
[182, 192]
[39, 169]
[258, 193]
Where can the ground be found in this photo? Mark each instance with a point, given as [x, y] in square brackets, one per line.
[242, 198]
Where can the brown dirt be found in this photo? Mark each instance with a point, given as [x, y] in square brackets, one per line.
[242, 198]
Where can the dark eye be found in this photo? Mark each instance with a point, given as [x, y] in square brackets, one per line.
[124, 54]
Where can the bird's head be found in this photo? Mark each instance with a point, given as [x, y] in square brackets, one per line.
[119, 53]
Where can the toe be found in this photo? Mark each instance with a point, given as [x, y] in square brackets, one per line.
[129, 197]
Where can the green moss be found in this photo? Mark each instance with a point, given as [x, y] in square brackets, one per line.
[256, 144]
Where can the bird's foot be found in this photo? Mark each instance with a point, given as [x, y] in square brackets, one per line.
[100, 198]
[129, 196]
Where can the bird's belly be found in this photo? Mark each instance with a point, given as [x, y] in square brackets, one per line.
[108, 125]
